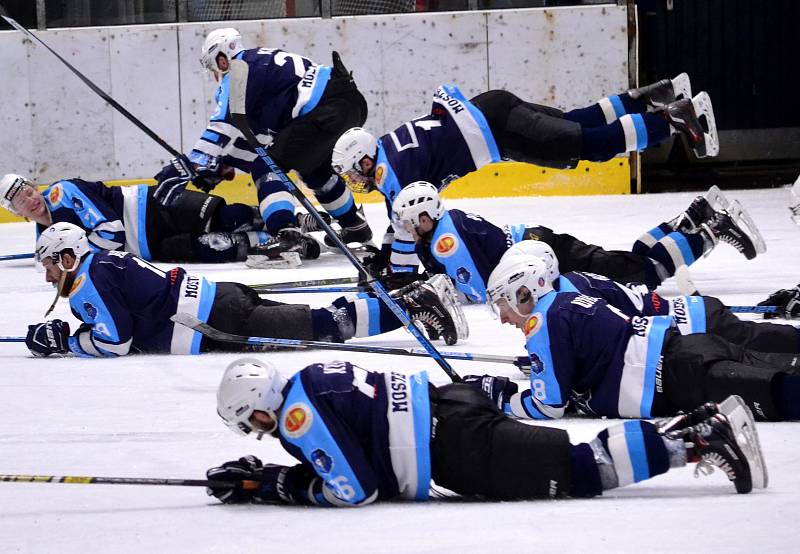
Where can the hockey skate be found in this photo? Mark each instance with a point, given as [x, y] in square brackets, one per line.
[308, 224]
[687, 117]
[439, 316]
[359, 232]
[735, 227]
[701, 210]
[713, 443]
[284, 250]
[663, 92]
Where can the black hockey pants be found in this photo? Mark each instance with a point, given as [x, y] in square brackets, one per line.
[752, 335]
[476, 450]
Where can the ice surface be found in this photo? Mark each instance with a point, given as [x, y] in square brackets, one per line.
[154, 416]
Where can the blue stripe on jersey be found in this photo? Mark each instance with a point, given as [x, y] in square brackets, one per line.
[539, 345]
[655, 342]
[422, 432]
[480, 121]
[637, 453]
[565, 285]
[390, 186]
[449, 249]
[641, 131]
[84, 299]
[374, 314]
[313, 435]
[72, 198]
[619, 108]
[321, 81]
[697, 313]
[222, 96]
[208, 290]
[141, 223]
[210, 136]
[404, 247]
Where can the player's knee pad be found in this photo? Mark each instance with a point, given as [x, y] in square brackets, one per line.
[628, 453]
[192, 212]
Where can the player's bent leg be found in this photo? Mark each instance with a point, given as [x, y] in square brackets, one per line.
[192, 212]
[763, 337]
[478, 451]
[275, 202]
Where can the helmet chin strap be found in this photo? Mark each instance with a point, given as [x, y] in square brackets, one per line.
[61, 281]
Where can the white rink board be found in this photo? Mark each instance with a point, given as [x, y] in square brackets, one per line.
[154, 416]
[563, 57]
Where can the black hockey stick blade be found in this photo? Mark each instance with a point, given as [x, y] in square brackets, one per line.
[97, 90]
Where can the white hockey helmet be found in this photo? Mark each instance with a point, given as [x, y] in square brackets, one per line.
[59, 237]
[10, 185]
[248, 385]
[225, 41]
[541, 250]
[512, 273]
[352, 147]
[420, 197]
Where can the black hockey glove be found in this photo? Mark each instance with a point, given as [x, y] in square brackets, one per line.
[377, 263]
[50, 337]
[498, 389]
[787, 301]
[277, 483]
[171, 181]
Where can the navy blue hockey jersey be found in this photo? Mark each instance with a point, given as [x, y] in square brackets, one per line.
[584, 350]
[635, 299]
[467, 248]
[281, 86]
[114, 218]
[366, 434]
[126, 305]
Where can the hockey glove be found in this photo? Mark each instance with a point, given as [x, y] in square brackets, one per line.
[171, 181]
[277, 483]
[50, 337]
[377, 263]
[498, 389]
[787, 301]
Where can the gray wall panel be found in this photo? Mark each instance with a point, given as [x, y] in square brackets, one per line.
[16, 139]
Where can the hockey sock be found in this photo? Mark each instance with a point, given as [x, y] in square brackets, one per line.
[649, 239]
[334, 196]
[274, 202]
[403, 256]
[232, 217]
[369, 315]
[786, 394]
[677, 249]
[607, 110]
[632, 132]
[630, 452]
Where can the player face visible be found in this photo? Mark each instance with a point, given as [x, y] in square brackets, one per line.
[518, 314]
[424, 228]
[30, 204]
[53, 273]
[360, 180]
[262, 422]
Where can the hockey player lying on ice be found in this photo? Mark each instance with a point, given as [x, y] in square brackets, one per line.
[125, 305]
[362, 436]
[460, 136]
[588, 353]
[467, 247]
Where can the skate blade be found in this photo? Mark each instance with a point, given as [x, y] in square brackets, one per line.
[744, 429]
[288, 260]
[447, 294]
[704, 109]
[717, 199]
[794, 207]
[682, 86]
[683, 279]
[743, 220]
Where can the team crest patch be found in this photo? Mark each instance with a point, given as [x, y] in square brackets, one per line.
[380, 173]
[321, 460]
[297, 420]
[77, 203]
[90, 310]
[463, 275]
[533, 324]
[76, 286]
[54, 197]
[446, 245]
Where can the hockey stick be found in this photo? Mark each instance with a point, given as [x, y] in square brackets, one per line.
[753, 309]
[86, 480]
[308, 283]
[12, 339]
[17, 256]
[240, 121]
[313, 289]
[97, 90]
[269, 344]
